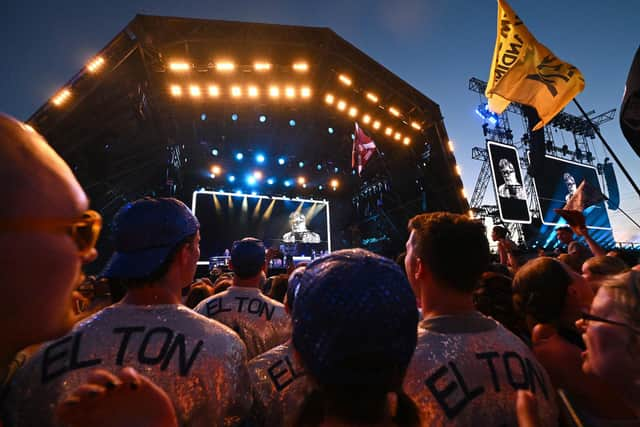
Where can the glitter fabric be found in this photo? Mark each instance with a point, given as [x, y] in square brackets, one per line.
[279, 386]
[467, 369]
[261, 322]
[201, 364]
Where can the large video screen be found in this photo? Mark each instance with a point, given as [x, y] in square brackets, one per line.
[288, 224]
[508, 182]
[560, 180]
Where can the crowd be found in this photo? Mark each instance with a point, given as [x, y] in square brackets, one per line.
[446, 337]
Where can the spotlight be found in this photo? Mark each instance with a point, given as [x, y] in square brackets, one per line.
[300, 164]
[216, 170]
[225, 66]
[344, 79]
[254, 193]
[388, 131]
[415, 125]
[450, 145]
[486, 114]
[342, 105]
[334, 183]
[289, 92]
[270, 181]
[330, 130]
[397, 136]
[214, 91]
[305, 92]
[203, 117]
[214, 152]
[394, 111]
[274, 91]
[261, 66]
[175, 91]
[179, 66]
[232, 178]
[320, 187]
[329, 99]
[234, 117]
[236, 91]
[281, 161]
[301, 180]
[287, 183]
[376, 125]
[304, 185]
[95, 64]
[406, 140]
[257, 175]
[319, 166]
[260, 158]
[262, 118]
[336, 169]
[251, 180]
[300, 66]
[372, 97]
[353, 111]
[253, 92]
[292, 123]
[366, 119]
[195, 91]
[239, 156]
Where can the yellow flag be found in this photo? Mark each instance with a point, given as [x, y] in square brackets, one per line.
[526, 72]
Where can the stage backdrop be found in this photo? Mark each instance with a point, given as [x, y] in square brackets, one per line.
[227, 217]
[508, 183]
[560, 179]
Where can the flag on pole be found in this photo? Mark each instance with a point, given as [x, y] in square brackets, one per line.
[585, 195]
[525, 71]
[363, 149]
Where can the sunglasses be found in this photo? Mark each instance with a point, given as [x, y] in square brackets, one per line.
[586, 318]
[84, 231]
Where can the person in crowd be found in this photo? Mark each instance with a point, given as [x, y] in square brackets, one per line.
[197, 293]
[354, 329]
[277, 378]
[611, 332]
[573, 261]
[493, 297]
[200, 363]
[599, 268]
[278, 288]
[565, 234]
[45, 226]
[506, 247]
[467, 367]
[261, 322]
[551, 297]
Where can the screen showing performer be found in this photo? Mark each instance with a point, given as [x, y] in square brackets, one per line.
[511, 196]
[299, 224]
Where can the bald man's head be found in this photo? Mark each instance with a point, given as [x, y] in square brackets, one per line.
[38, 268]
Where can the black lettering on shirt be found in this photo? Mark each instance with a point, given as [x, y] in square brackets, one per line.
[143, 357]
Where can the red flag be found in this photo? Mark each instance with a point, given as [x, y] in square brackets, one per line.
[363, 149]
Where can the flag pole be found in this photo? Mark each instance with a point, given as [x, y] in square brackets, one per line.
[595, 128]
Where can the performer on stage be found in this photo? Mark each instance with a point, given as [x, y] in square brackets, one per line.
[299, 232]
[570, 182]
[512, 188]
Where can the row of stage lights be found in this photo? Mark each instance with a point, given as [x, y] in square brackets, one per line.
[238, 91]
[177, 66]
[257, 176]
[92, 67]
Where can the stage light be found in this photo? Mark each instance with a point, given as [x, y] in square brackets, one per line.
[61, 97]
[287, 183]
[330, 130]
[376, 125]
[344, 79]
[212, 175]
[450, 145]
[301, 180]
[215, 169]
[225, 66]
[292, 123]
[470, 214]
[179, 66]
[416, 125]
[232, 178]
[257, 175]
[320, 187]
[341, 105]
[236, 91]
[260, 158]
[251, 180]
[234, 117]
[371, 97]
[388, 131]
[458, 170]
[239, 192]
[334, 183]
[397, 136]
[406, 140]
[214, 91]
[300, 164]
[215, 152]
[95, 64]
[353, 111]
[253, 92]
[305, 92]
[463, 192]
[329, 99]
[393, 111]
[336, 169]
[195, 91]
[366, 119]
[271, 181]
[319, 166]
[203, 117]
[239, 156]
[300, 66]
[486, 114]
[274, 91]
[290, 92]
[261, 66]
[304, 185]
[281, 161]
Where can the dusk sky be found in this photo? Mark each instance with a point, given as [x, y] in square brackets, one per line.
[434, 45]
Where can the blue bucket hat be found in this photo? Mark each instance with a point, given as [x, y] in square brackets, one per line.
[145, 231]
[355, 320]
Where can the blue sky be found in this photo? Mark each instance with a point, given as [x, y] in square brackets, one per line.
[434, 45]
